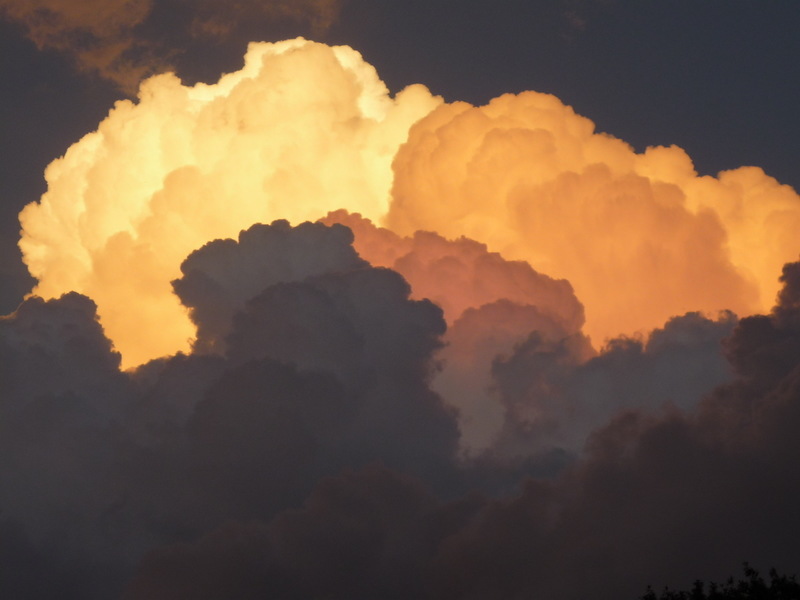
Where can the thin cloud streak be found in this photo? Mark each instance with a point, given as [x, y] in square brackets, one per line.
[121, 41]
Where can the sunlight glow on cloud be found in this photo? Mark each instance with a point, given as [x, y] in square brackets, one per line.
[303, 129]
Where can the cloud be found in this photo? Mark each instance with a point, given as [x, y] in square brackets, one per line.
[123, 41]
[555, 393]
[490, 304]
[301, 130]
[63, 338]
[364, 534]
[474, 342]
[460, 274]
[216, 19]
[215, 395]
[639, 236]
[99, 36]
[325, 367]
[516, 364]
[334, 313]
[650, 504]
[199, 462]
[63, 398]
[214, 291]
[656, 494]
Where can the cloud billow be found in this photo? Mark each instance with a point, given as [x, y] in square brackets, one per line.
[651, 503]
[326, 340]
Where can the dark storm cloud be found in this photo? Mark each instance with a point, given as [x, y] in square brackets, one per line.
[220, 277]
[63, 339]
[322, 372]
[554, 393]
[366, 534]
[62, 399]
[308, 455]
[320, 307]
[658, 499]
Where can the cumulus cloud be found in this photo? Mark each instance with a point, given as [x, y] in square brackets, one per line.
[62, 399]
[658, 499]
[229, 471]
[490, 303]
[515, 362]
[325, 366]
[555, 396]
[213, 396]
[474, 342]
[336, 314]
[221, 276]
[640, 236]
[301, 130]
[62, 338]
[460, 274]
[304, 128]
[657, 496]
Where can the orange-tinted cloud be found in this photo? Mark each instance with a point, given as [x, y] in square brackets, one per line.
[490, 304]
[640, 236]
[301, 130]
[461, 274]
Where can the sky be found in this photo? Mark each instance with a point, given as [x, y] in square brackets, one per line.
[400, 300]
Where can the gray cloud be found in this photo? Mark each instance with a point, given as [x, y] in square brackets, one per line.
[658, 499]
[308, 452]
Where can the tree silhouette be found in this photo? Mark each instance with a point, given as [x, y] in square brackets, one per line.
[750, 587]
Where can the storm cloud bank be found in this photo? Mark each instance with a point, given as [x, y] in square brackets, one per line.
[306, 450]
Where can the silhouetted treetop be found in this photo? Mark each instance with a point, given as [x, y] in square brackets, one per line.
[750, 587]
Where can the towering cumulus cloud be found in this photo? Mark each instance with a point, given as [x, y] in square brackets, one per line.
[295, 337]
[640, 236]
[302, 129]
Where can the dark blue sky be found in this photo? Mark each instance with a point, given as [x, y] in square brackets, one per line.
[718, 78]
